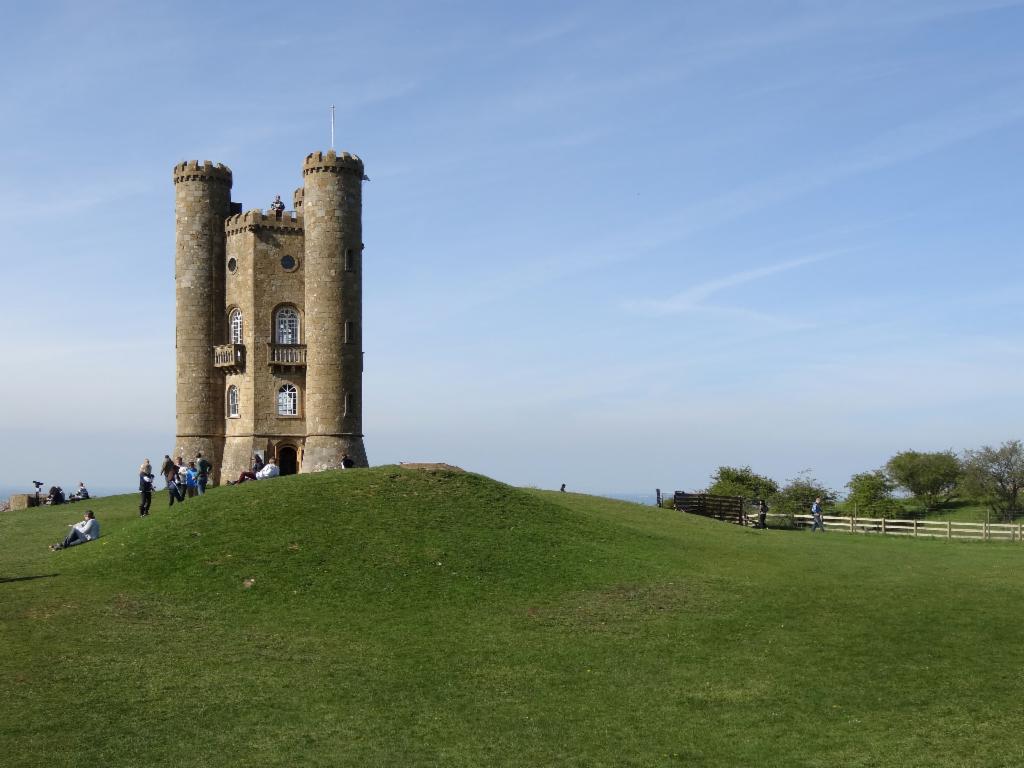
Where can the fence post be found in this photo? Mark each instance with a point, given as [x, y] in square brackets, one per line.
[949, 529]
[853, 518]
[915, 527]
[883, 526]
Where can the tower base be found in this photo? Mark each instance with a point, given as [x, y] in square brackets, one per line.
[211, 446]
[323, 452]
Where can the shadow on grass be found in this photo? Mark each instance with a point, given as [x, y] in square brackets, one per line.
[5, 579]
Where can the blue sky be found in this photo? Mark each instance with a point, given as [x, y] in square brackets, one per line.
[608, 244]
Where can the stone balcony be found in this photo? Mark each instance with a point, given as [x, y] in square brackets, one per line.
[286, 356]
[229, 357]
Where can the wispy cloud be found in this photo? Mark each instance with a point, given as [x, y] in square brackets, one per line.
[694, 299]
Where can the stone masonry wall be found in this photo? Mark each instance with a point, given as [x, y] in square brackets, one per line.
[332, 210]
[202, 202]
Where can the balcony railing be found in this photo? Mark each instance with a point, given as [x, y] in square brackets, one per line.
[287, 355]
[230, 356]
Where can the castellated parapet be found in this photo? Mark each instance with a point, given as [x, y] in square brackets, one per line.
[269, 318]
[250, 221]
[193, 170]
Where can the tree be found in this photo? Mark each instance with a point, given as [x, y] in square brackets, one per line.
[996, 475]
[871, 495]
[799, 493]
[742, 481]
[931, 478]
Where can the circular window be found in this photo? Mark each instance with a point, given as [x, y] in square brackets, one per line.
[288, 262]
[232, 265]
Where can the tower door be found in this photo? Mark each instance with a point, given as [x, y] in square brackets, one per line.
[287, 460]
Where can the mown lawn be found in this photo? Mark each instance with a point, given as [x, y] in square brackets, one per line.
[411, 618]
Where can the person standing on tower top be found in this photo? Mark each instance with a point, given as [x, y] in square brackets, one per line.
[277, 206]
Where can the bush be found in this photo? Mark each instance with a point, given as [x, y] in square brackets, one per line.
[799, 493]
[871, 496]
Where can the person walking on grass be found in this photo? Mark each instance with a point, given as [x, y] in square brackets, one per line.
[166, 466]
[174, 493]
[762, 515]
[816, 522]
[191, 480]
[145, 488]
[204, 468]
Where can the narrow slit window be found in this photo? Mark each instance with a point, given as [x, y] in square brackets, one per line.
[350, 261]
[236, 326]
[232, 402]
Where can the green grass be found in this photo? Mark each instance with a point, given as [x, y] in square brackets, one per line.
[402, 618]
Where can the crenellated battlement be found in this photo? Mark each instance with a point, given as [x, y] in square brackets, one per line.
[332, 162]
[298, 197]
[251, 221]
[193, 170]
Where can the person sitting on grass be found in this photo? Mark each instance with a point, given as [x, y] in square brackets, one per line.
[87, 530]
[81, 494]
[269, 470]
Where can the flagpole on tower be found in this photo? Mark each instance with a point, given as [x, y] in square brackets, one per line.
[332, 126]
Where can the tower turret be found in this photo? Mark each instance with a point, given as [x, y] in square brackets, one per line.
[202, 194]
[332, 210]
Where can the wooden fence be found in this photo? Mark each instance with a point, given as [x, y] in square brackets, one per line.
[935, 529]
[728, 508]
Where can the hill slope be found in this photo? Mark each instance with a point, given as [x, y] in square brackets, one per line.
[391, 617]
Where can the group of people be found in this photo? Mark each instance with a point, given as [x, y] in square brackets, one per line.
[817, 523]
[183, 480]
[56, 495]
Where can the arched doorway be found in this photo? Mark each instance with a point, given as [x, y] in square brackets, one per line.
[288, 459]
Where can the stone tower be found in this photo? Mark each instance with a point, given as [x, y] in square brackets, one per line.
[332, 209]
[202, 195]
[269, 316]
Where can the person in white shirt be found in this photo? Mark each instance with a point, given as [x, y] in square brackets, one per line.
[87, 530]
[269, 470]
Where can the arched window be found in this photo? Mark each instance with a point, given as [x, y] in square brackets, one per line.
[287, 400]
[286, 326]
[232, 402]
[235, 323]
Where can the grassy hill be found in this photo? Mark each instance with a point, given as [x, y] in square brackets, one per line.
[396, 617]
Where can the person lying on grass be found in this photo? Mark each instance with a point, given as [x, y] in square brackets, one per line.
[87, 530]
